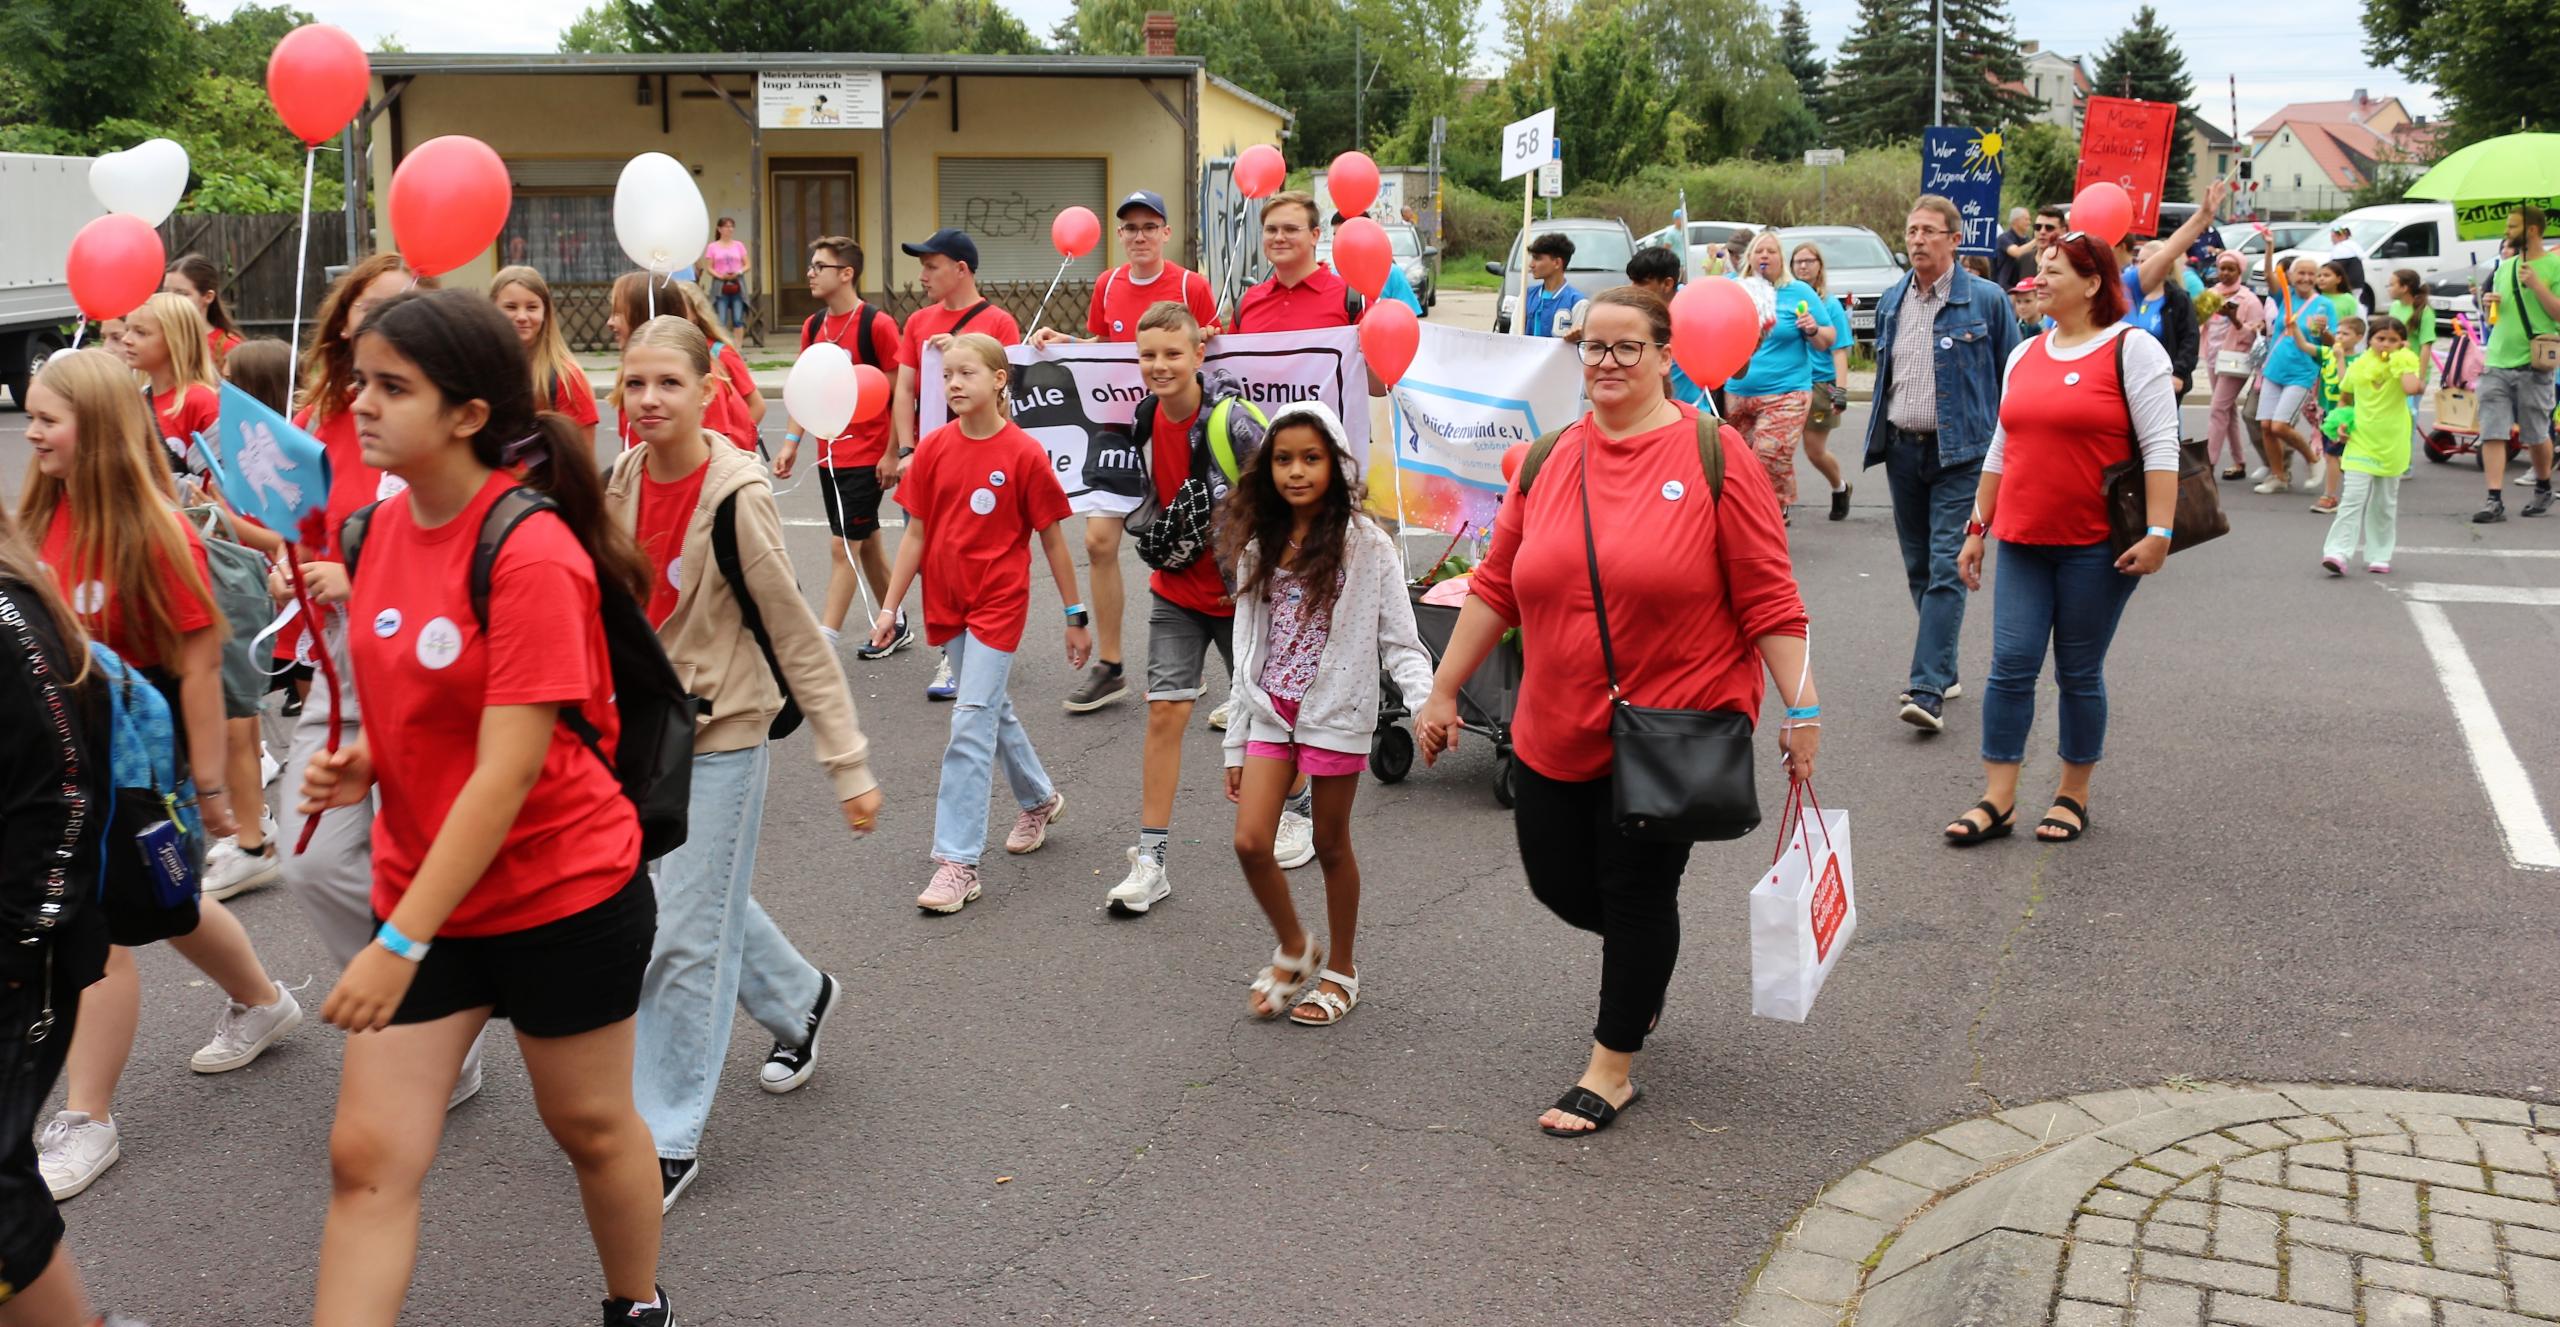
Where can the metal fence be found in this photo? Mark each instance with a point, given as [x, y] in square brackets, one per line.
[256, 254]
[585, 308]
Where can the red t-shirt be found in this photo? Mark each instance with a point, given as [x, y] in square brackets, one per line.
[2066, 422]
[863, 442]
[1122, 299]
[666, 512]
[1197, 587]
[98, 606]
[981, 500]
[1668, 553]
[186, 411]
[426, 671]
[220, 343]
[933, 320]
[1319, 301]
[574, 394]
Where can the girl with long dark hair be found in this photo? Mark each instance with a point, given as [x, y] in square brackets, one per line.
[196, 277]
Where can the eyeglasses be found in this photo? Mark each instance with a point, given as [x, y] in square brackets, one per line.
[1923, 232]
[1145, 228]
[821, 267]
[2047, 230]
[1626, 354]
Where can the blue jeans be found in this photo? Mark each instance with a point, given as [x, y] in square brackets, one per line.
[1930, 505]
[984, 730]
[716, 950]
[2073, 596]
[732, 309]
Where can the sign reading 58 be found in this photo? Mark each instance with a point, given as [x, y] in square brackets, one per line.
[1528, 144]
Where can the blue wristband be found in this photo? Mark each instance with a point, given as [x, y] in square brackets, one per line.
[389, 937]
[1804, 711]
[1073, 609]
[2158, 531]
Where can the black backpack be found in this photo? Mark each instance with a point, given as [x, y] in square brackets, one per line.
[1711, 433]
[655, 754]
[868, 351]
[724, 552]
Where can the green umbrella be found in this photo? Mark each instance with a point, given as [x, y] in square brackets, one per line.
[2492, 178]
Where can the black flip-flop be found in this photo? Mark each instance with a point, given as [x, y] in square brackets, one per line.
[1583, 1103]
[2003, 823]
[2072, 831]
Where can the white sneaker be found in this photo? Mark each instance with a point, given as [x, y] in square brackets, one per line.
[229, 871]
[2311, 479]
[1295, 844]
[2269, 485]
[268, 767]
[1144, 887]
[244, 1032]
[1219, 716]
[464, 1089]
[2259, 473]
[73, 1150]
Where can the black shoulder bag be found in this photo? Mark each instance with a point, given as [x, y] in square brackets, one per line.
[1676, 776]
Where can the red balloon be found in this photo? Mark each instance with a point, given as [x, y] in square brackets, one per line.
[1075, 232]
[1259, 171]
[1714, 329]
[1389, 336]
[1353, 182]
[449, 200]
[1512, 460]
[115, 265]
[871, 393]
[2104, 210]
[1363, 255]
[317, 78]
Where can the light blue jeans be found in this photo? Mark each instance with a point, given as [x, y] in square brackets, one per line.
[716, 950]
[984, 730]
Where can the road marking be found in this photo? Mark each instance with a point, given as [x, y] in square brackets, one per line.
[2481, 552]
[2521, 824]
[2530, 596]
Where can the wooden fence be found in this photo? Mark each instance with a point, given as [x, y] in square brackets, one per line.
[256, 253]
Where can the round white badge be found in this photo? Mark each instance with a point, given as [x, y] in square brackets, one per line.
[675, 573]
[982, 502]
[2071, 379]
[439, 643]
[1673, 490]
[386, 623]
[996, 477]
[1946, 343]
[389, 486]
[89, 598]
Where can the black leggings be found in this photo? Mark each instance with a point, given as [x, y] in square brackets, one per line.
[1599, 880]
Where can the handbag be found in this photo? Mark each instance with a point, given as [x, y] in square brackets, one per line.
[2231, 364]
[1804, 910]
[1676, 776]
[2543, 353]
[2199, 516]
[732, 286]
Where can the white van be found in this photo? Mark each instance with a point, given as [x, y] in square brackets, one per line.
[2397, 235]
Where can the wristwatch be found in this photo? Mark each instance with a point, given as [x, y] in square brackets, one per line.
[1078, 616]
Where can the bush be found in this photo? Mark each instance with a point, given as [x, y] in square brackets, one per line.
[1874, 189]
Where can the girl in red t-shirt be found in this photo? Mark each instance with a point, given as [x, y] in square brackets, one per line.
[522, 295]
[99, 497]
[978, 489]
[506, 857]
[737, 408]
[164, 341]
[196, 277]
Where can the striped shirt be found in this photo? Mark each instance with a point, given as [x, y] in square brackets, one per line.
[1912, 398]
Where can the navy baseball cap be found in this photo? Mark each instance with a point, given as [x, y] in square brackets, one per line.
[950, 243]
[1146, 198]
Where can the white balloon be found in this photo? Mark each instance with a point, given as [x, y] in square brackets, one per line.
[822, 391]
[145, 180]
[658, 213]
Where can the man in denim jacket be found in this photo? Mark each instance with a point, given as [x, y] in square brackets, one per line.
[1943, 337]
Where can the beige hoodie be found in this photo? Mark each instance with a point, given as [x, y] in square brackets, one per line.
[714, 654]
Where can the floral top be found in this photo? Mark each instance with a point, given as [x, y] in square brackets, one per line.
[1297, 637]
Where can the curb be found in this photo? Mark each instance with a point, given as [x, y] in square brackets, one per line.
[1974, 1225]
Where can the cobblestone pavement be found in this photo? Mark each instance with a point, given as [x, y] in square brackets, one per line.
[2194, 1205]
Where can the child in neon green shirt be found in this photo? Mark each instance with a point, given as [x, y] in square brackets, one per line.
[2375, 389]
[2333, 356]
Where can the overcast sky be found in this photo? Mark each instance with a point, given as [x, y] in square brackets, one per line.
[2279, 57]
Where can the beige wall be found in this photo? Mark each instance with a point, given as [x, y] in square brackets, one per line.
[597, 117]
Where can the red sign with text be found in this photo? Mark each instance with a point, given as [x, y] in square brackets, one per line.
[1830, 906]
[2128, 143]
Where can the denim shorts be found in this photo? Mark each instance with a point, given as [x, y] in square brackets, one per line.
[1178, 644]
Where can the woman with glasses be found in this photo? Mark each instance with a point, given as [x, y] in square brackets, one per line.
[1770, 399]
[1628, 481]
[1829, 399]
[2087, 393]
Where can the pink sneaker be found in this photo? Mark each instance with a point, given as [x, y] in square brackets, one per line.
[2378, 568]
[952, 888]
[1031, 828]
[2336, 566]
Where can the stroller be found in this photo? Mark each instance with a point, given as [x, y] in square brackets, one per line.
[1485, 703]
[2457, 431]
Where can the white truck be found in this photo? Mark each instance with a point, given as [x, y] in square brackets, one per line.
[44, 201]
[2419, 236]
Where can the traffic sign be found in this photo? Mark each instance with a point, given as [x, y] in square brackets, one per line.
[1529, 143]
[1551, 180]
[1825, 156]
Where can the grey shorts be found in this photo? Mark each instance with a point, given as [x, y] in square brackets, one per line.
[2517, 401]
[2279, 404]
[1178, 643]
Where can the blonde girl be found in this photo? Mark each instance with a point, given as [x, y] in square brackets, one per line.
[164, 342]
[522, 295]
[737, 407]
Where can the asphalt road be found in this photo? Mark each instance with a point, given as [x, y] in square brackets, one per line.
[1032, 1112]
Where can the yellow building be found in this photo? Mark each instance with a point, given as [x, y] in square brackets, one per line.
[885, 148]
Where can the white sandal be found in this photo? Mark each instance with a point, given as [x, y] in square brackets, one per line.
[1280, 984]
[1335, 1007]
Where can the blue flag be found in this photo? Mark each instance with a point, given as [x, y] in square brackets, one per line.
[268, 470]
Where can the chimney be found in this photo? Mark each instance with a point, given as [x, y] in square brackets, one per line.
[2032, 47]
[1160, 29]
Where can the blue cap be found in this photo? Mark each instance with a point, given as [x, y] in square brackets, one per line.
[1146, 198]
[950, 243]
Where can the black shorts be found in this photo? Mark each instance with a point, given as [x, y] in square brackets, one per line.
[558, 979]
[852, 493]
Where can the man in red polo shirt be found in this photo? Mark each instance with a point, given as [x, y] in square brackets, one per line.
[1302, 294]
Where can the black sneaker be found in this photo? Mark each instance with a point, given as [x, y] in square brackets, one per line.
[788, 1066]
[1925, 711]
[2494, 511]
[1840, 503]
[2541, 503]
[906, 636]
[674, 1177]
[624, 1313]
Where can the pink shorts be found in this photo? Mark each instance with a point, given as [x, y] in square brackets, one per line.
[1313, 761]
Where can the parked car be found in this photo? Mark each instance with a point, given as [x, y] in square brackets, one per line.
[1702, 235]
[1411, 254]
[1601, 248]
[2456, 291]
[2419, 236]
[1858, 266]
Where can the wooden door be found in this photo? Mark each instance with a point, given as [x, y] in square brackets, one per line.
[811, 197]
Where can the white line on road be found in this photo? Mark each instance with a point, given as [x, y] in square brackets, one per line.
[2521, 823]
[2435, 592]
[2481, 552]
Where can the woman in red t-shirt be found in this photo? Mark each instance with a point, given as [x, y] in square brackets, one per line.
[737, 408]
[506, 857]
[196, 277]
[98, 497]
[522, 295]
[1670, 549]
[2089, 392]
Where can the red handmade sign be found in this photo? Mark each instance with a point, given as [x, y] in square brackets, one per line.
[2128, 143]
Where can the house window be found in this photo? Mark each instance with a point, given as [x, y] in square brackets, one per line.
[569, 236]
[2297, 181]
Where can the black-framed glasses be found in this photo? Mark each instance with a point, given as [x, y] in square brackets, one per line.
[1626, 354]
[1146, 228]
[821, 267]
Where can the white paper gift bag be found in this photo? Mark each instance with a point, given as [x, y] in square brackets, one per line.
[1802, 912]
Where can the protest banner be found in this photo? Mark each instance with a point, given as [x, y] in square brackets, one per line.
[1079, 401]
[1469, 397]
[1963, 166]
[2127, 143]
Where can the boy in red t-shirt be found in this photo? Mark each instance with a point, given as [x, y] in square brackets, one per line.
[979, 489]
[849, 463]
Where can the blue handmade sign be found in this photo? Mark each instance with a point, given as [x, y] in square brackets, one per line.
[268, 470]
[1964, 165]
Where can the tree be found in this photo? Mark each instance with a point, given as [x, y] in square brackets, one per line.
[869, 26]
[1795, 47]
[973, 27]
[2040, 164]
[1725, 68]
[1612, 104]
[2143, 62]
[85, 61]
[1884, 64]
[2481, 55]
[238, 44]
[1986, 75]
[599, 29]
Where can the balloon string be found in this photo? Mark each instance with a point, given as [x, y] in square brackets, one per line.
[301, 265]
[76, 333]
[1053, 289]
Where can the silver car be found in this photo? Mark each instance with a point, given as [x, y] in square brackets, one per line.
[1857, 267]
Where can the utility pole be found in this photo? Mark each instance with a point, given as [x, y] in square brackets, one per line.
[1938, 98]
[1359, 95]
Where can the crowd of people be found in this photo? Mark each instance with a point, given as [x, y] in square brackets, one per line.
[583, 668]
